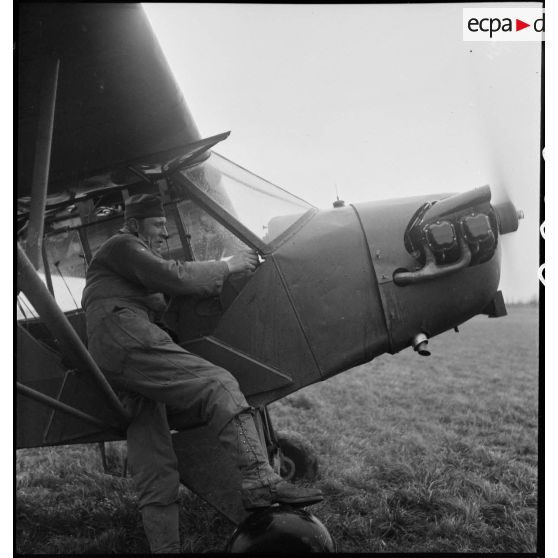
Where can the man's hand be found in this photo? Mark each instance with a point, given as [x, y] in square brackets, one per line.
[245, 261]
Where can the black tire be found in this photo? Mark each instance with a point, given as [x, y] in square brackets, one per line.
[298, 459]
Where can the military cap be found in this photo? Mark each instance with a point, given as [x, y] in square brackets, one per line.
[141, 206]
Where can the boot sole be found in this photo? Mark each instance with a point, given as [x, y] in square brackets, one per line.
[291, 502]
[301, 503]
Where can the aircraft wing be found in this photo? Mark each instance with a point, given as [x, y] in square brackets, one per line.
[116, 98]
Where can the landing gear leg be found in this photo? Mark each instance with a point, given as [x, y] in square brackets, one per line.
[289, 453]
[268, 437]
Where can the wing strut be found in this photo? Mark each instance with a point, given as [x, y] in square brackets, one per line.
[30, 283]
[41, 165]
[60, 406]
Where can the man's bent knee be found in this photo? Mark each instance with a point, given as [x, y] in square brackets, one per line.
[222, 401]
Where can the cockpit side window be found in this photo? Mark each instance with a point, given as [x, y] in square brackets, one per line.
[209, 240]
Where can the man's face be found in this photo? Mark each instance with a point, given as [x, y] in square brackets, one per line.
[153, 230]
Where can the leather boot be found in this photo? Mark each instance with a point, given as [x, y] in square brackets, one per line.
[161, 527]
[261, 485]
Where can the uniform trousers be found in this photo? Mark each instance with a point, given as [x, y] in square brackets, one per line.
[158, 379]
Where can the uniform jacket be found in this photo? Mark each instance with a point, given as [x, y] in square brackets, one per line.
[126, 273]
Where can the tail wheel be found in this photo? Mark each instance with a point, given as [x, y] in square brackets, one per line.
[298, 459]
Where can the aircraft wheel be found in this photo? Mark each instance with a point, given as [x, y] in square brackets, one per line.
[292, 531]
[298, 459]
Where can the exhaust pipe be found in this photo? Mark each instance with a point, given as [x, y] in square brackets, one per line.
[456, 203]
[420, 341]
[431, 270]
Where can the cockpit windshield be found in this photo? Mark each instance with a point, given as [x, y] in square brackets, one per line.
[263, 208]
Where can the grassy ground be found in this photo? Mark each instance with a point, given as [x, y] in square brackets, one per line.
[416, 454]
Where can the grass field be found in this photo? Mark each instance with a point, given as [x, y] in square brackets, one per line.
[416, 454]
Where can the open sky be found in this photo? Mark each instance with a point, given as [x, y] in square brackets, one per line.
[370, 101]
[378, 101]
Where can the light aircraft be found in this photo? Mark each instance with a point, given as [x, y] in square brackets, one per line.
[100, 117]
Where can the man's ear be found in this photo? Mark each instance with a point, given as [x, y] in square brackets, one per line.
[133, 225]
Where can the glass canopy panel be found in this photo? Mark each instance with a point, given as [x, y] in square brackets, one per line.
[265, 209]
[209, 240]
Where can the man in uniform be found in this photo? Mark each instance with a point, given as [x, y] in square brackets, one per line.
[156, 378]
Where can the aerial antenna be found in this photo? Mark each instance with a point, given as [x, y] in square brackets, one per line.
[338, 202]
